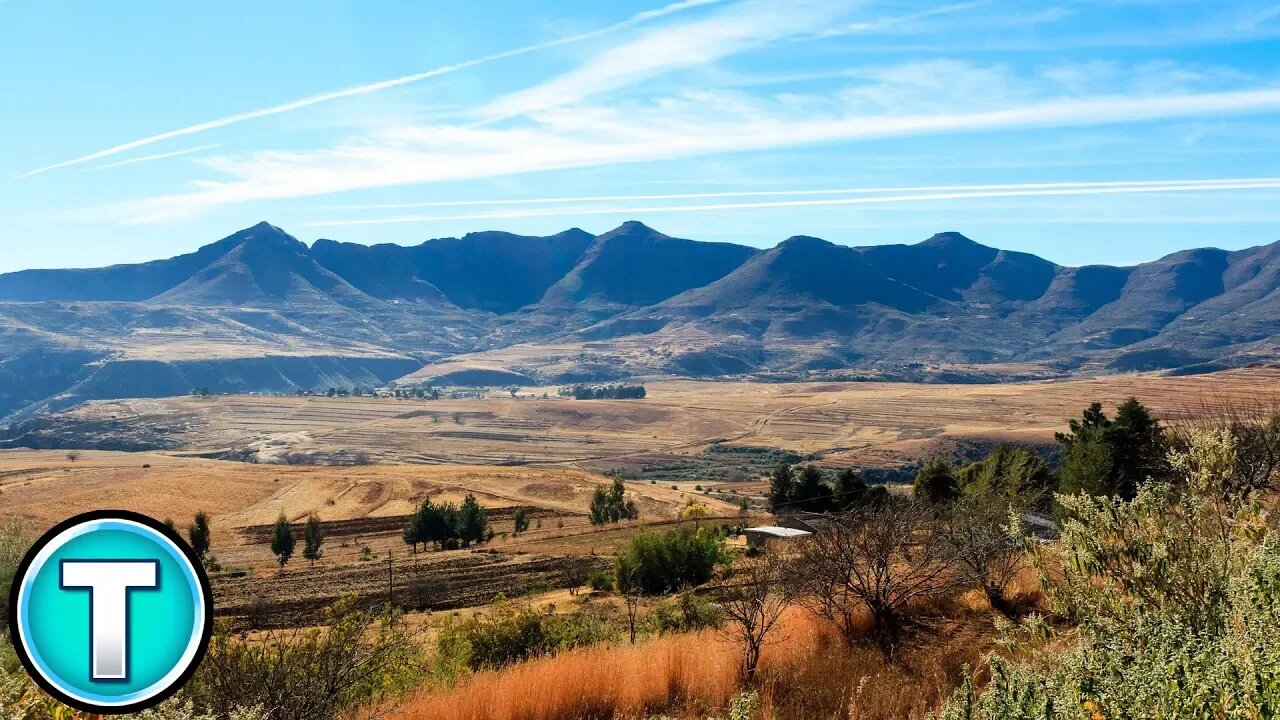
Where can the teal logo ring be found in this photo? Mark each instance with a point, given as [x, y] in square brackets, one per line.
[110, 612]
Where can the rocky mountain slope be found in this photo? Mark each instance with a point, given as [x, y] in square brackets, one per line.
[261, 311]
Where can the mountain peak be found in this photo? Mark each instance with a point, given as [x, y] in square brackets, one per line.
[266, 234]
[633, 227]
[951, 238]
[805, 241]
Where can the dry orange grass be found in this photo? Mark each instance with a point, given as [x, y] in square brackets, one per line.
[691, 672]
[806, 673]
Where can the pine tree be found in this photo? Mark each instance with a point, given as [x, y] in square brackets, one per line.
[521, 520]
[781, 487]
[282, 540]
[471, 521]
[313, 539]
[811, 491]
[413, 533]
[199, 535]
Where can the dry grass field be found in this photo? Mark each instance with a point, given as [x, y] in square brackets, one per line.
[542, 455]
[871, 423]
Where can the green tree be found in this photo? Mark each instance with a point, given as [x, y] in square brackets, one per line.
[852, 491]
[313, 539]
[610, 505]
[282, 540]
[1011, 473]
[413, 531]
[936, 482]
[781, 487]
[199, 535]
[521, 520]
[472, 523]
[1086, 465]
[1103, 456]
[662, 563]
[811, 491]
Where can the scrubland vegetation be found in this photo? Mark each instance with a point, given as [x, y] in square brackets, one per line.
[1158, 596]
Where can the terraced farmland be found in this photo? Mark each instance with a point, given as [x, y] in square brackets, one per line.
[871, 422]
[363, 511]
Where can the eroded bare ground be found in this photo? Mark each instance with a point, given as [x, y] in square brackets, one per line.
[871, 423]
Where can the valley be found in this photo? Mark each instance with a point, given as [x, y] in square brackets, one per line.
[713, 423]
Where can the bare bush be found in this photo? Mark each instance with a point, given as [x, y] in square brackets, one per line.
[753, 601]
[877, 559]
[984, 535]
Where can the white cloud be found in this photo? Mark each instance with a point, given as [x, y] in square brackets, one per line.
[688, 126]
[743, 26]
[370, 87]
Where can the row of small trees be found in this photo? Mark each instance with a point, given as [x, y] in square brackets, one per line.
[812, 490]
[1110, 457]
[447, 525]
[283, 543]
[605, 392]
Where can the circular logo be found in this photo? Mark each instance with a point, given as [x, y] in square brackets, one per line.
[110, 612]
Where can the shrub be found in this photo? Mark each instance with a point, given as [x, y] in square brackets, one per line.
[1177, 596]
[515, 633]
[600, 580]
[687, 613]
[662, 563]
[309, 674]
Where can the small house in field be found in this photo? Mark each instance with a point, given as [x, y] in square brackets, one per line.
[761, 537]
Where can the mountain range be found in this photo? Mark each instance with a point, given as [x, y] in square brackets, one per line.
[262, 311]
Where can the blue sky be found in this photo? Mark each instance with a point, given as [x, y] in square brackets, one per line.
[1081, 130]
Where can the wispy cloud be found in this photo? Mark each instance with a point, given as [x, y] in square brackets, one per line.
[671, 129]
[371, 87]
[499, 202]
[739, 27]
[157, 156]
[925, 194]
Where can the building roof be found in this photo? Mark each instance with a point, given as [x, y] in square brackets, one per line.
[775, 531]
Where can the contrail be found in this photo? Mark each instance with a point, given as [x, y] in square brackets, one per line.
[957, 193]
[157, 156]
[778, 193]
[373, 87]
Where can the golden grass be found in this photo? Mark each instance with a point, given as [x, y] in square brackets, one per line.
[806, 673]
[690, 672]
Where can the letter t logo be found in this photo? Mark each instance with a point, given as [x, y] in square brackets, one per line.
[109, 582]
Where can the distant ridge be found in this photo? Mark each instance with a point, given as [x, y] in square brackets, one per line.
[260, 310]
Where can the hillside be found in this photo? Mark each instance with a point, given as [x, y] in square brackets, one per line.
[261, 311]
